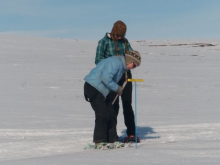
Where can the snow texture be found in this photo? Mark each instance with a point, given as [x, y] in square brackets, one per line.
[45, 119]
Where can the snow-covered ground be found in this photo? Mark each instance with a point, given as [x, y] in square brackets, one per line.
[44, 119]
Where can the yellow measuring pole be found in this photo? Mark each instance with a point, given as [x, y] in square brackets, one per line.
[136, 80]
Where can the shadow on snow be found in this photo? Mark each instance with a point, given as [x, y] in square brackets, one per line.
[143, 133]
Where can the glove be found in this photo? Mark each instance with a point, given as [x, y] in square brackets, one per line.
[120, 90]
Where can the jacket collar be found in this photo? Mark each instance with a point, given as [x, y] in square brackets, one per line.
[108, 35]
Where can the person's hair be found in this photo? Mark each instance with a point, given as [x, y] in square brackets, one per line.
[119, 28]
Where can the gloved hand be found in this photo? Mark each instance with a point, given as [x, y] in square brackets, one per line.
[120, 90]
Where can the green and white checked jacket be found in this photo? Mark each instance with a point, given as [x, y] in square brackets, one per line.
[106, 48]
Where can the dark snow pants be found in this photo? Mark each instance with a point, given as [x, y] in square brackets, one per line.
[105, 115]
[126, 98]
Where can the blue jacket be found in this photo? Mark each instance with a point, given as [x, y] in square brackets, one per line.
[105, 76]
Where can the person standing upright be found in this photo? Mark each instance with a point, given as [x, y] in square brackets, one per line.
[115, 44]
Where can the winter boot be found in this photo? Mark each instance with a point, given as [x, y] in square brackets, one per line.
[131, 138]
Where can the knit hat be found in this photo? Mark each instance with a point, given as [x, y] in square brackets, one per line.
[119, 28]
[133, 56]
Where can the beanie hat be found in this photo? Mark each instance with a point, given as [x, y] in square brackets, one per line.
[119, 28]
[133, 56]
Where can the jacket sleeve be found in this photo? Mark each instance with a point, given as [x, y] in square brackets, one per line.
[111, 70]
[100, 51]
[129, 46]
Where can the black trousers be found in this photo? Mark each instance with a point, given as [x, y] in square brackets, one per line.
[105, 115]
[126, 98]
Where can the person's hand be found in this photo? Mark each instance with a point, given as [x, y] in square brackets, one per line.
[120, 90]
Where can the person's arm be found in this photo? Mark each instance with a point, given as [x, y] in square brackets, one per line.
[100, 51]
[111, 69]
[128, 45]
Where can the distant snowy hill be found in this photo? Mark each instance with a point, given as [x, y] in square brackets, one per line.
[45, 119]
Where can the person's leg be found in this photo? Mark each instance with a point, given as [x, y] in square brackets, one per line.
[101, 113]
[113, 111]
[127, 107]
[111, 96]
[112, 130]
[101, 119]
[126, 98]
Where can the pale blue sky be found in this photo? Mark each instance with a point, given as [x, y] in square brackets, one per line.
[91, 19]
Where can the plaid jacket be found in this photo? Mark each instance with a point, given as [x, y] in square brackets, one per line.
[106, 48]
